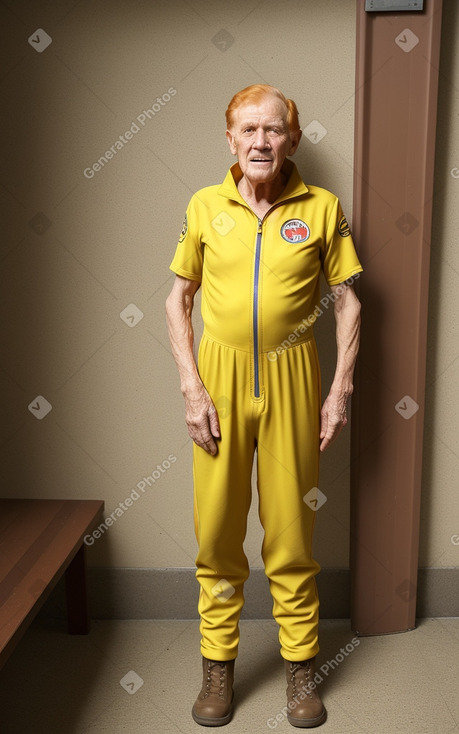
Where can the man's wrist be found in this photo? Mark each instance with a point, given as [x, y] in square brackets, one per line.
[191, 386]
[342, 387]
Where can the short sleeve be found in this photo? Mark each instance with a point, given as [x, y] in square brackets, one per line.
[188, 258]
[339, 257]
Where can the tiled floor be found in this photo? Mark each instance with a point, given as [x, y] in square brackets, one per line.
[58, 684]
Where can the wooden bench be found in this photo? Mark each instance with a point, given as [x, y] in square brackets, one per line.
[40, 540]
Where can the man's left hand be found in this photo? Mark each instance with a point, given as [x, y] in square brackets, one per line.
[333, 418]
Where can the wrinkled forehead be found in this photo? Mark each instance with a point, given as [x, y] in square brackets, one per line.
[268, 109]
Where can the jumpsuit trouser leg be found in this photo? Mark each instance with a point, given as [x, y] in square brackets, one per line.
[283, 425]
[287, 469]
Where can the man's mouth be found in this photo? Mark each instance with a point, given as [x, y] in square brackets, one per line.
[260, 160]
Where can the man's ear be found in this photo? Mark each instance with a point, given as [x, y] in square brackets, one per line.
[295, 138]
[231, 143]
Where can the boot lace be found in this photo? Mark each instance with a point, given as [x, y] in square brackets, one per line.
[300, 677]
[215, 681]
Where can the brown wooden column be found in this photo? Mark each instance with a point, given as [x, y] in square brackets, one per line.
[396, 101]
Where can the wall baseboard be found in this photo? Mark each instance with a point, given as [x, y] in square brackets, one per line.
[172, 593]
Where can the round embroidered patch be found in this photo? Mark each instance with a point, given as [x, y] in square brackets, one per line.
[295, 230]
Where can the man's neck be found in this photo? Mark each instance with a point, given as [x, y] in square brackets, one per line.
[262, 193]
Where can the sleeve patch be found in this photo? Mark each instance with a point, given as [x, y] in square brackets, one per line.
[343, 227]
[184, 229]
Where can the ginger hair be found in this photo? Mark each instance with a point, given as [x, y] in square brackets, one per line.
[254, 94]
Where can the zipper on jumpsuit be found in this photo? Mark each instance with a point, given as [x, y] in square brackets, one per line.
[255, 312]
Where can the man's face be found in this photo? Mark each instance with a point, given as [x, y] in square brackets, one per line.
[261, 139]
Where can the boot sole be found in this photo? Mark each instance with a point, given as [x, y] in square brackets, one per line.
[207, 721]
[308, 723]
[213, 721]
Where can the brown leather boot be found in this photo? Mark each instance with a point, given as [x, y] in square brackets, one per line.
[306, 710]
[213, 706]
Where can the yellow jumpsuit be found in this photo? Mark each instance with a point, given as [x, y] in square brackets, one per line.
[258, 361]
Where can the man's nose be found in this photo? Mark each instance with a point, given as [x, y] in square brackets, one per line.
[261, 139]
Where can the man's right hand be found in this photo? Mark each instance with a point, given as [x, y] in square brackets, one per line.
[202, 418]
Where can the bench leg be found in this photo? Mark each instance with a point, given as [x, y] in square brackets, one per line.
[77, 598]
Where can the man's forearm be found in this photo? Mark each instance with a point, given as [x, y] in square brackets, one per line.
[200, 413]
[347, 314]
[181, 336]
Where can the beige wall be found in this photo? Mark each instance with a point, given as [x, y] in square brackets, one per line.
[117, 410]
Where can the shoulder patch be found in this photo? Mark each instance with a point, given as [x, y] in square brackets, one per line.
[184, 229]
[343, 227]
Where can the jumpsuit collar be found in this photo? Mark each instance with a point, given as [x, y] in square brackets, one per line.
[295, 186]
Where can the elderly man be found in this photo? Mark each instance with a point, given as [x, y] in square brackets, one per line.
[257, 244]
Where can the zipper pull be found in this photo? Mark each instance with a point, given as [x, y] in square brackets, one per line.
[259, 226]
